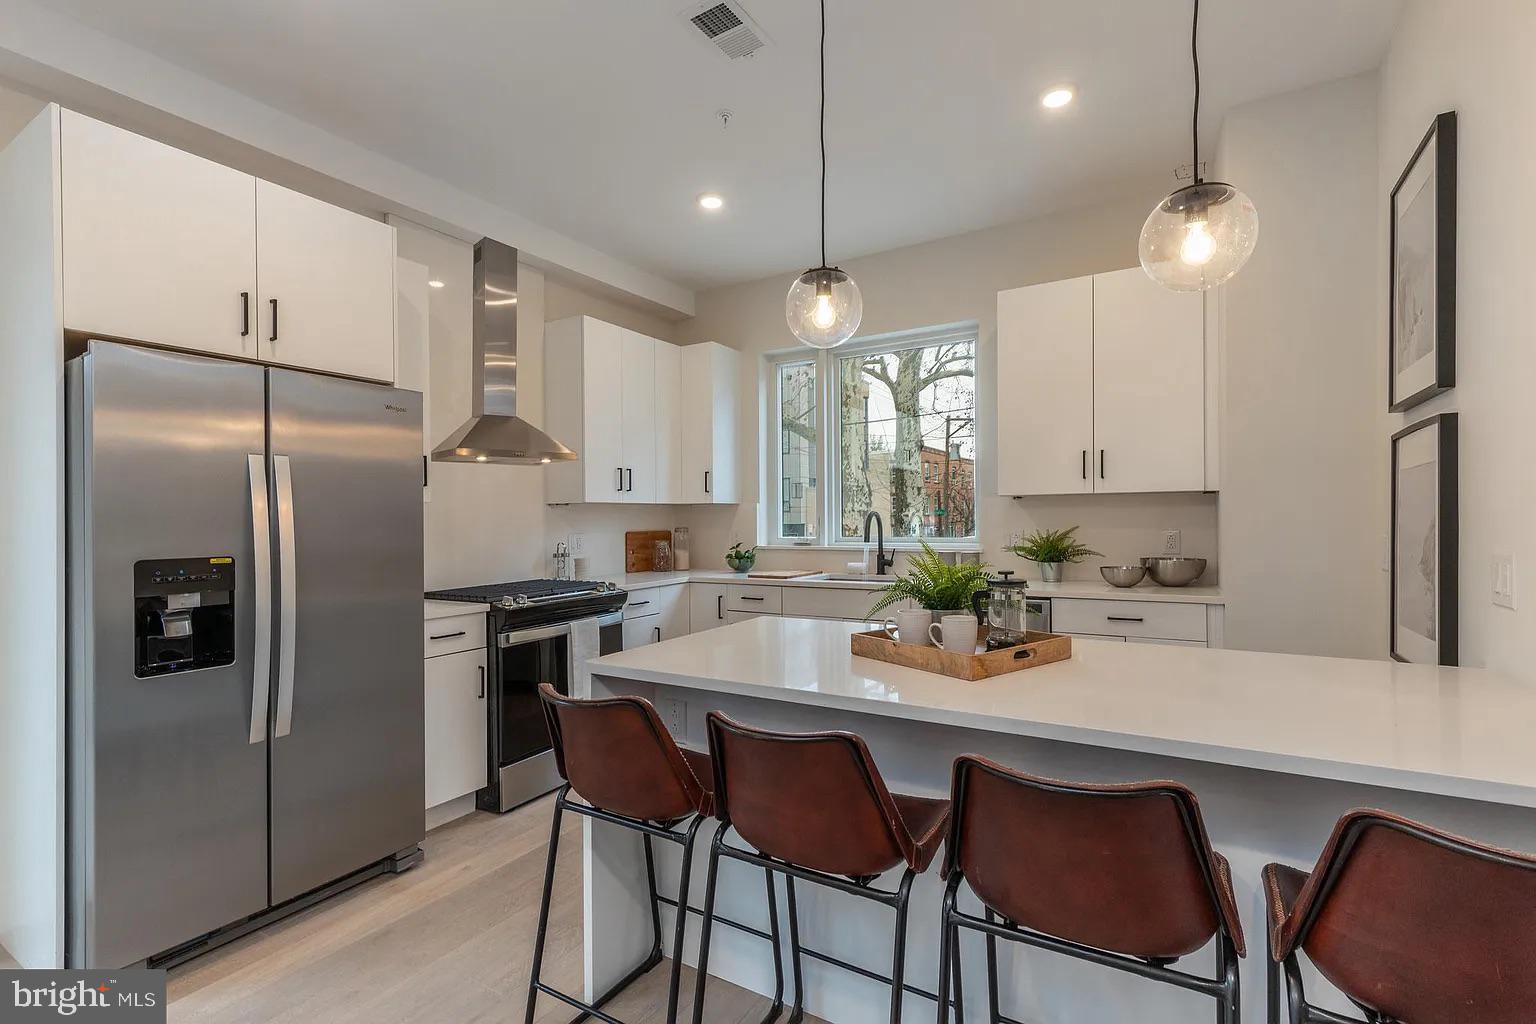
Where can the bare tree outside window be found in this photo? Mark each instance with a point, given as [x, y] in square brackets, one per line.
[800, 504]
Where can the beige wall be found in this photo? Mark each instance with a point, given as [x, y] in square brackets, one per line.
[485, 524]
[1302, 530]
[16, 109]
[1441, 58]
[947, 281]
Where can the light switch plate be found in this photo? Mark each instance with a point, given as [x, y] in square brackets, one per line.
[1172, 543]
[578, 544]
[1504, 581]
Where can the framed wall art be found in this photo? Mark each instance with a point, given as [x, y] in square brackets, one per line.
[1425, 514]
[1421, 329]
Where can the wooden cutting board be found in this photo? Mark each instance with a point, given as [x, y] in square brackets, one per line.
[640, 549]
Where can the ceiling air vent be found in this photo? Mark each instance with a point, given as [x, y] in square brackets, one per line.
[728, 26]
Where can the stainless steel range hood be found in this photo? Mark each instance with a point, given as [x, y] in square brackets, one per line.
[495, 433]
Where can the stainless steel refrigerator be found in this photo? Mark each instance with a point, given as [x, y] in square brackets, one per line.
[245, 684]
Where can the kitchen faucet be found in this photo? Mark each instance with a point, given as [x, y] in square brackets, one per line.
[882, 560]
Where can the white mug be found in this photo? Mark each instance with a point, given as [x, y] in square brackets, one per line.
[910, 626]
[957, 633]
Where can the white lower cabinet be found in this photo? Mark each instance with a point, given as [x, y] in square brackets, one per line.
[732, 618]
[706, 606]
[455, 724]
[655, 614]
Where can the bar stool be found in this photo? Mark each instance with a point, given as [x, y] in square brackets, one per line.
[616, 754]
[1122, 876]
[813, 807]
[1410, 923]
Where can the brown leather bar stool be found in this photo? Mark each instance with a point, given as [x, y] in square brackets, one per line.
[813, 807]
[1410, 923]
[1122, 876]
[616, 754]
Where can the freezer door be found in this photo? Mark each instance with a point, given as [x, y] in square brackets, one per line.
[168, 792]
[348, 782]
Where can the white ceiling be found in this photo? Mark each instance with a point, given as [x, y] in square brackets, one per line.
[596, 118]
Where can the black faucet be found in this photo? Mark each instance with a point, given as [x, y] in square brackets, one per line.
[882, 560]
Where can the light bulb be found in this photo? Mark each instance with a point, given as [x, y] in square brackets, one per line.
[1199, 246]
[824, 314]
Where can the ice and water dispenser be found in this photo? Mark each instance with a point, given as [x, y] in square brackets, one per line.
[184, 614]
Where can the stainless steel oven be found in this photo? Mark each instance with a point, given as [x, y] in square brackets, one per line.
[522, 765]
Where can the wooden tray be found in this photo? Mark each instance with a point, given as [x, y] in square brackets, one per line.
[640, 549]
[1038, 649]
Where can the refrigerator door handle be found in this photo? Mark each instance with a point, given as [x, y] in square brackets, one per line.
[287, 605]
[261, 545]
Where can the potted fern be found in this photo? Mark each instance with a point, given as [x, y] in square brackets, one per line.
[1052, 550]
[934, 584]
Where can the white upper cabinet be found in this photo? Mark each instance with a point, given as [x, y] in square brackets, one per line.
[1045, 388]
[167, 248]
[650, 423]
[327, 285]
[1148, 385]
[710, 385]
[669, 423]
[159, 245]
[638, 376]
[1103, 387]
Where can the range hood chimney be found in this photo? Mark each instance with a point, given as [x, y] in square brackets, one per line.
[495, 433]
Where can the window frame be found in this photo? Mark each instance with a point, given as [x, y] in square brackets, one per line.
[828, 446]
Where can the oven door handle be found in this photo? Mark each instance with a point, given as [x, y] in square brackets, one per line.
[528, 636]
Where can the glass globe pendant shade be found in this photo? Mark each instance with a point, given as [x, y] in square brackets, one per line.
[1199, 237]
[824, 307]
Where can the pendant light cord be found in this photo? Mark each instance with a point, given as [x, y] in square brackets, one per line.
[824, 131]
[1194, 53]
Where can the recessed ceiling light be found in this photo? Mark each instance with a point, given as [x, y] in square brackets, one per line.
[711, 201]
[1057, 97]
[435, 283]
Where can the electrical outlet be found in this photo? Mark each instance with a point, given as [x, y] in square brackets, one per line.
[578, 544]
[1504, 581]
[674, 713]
[1015, 538]
[1172, 545]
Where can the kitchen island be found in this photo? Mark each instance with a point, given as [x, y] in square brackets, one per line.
[1275, 746]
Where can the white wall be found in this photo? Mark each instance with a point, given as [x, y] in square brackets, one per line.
[948, 281]
[31, 550]
[1302, 531]
[486, 524]
[1477, 60]
[16, 110]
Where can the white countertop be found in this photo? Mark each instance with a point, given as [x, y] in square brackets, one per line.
[1455, 732]
[1084, 589]
[448, 609]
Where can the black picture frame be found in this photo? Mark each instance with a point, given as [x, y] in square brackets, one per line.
[1447, 528]
[1440, 142]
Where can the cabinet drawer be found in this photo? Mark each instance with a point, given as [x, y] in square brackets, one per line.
[1146, 619]
[454, 634]
[832, 603]
[741, 597]
[653, 601]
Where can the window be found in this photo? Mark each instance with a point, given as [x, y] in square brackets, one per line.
[901, 422]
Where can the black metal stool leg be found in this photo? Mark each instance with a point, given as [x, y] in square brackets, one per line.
[679, 928]
[1229, 1002]
[797, 1012]
[994, 1014]
[899, 955]
[778, 954]
[654, 956]
[708, 924]
[959, 981]
[549, 885]
[948, 940]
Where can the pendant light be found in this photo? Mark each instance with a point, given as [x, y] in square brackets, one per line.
[1202, 234]
[824, 306]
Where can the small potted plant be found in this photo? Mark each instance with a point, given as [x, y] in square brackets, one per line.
[934, 584]
[739, 559]
[1052, 550]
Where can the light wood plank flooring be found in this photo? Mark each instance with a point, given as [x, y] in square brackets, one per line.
[448, 942]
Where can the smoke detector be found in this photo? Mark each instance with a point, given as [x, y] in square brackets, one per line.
[727, 26]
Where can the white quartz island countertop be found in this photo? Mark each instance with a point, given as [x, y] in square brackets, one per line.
[1462, 733]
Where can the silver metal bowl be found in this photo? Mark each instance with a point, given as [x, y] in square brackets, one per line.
[1123, 575]
[1174, 572]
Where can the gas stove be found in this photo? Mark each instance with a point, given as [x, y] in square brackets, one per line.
[525, 602]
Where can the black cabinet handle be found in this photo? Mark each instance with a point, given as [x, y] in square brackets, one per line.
[449, 636]
[1125, 618]
[482, 682]
[245, 314]
[637, 604]
[1101, 463]
[706, 481]
[274, 321]
[630, 481]
[1085, 463]
[720, 607]
[754, 599]
[658, 634]
[621, 480]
